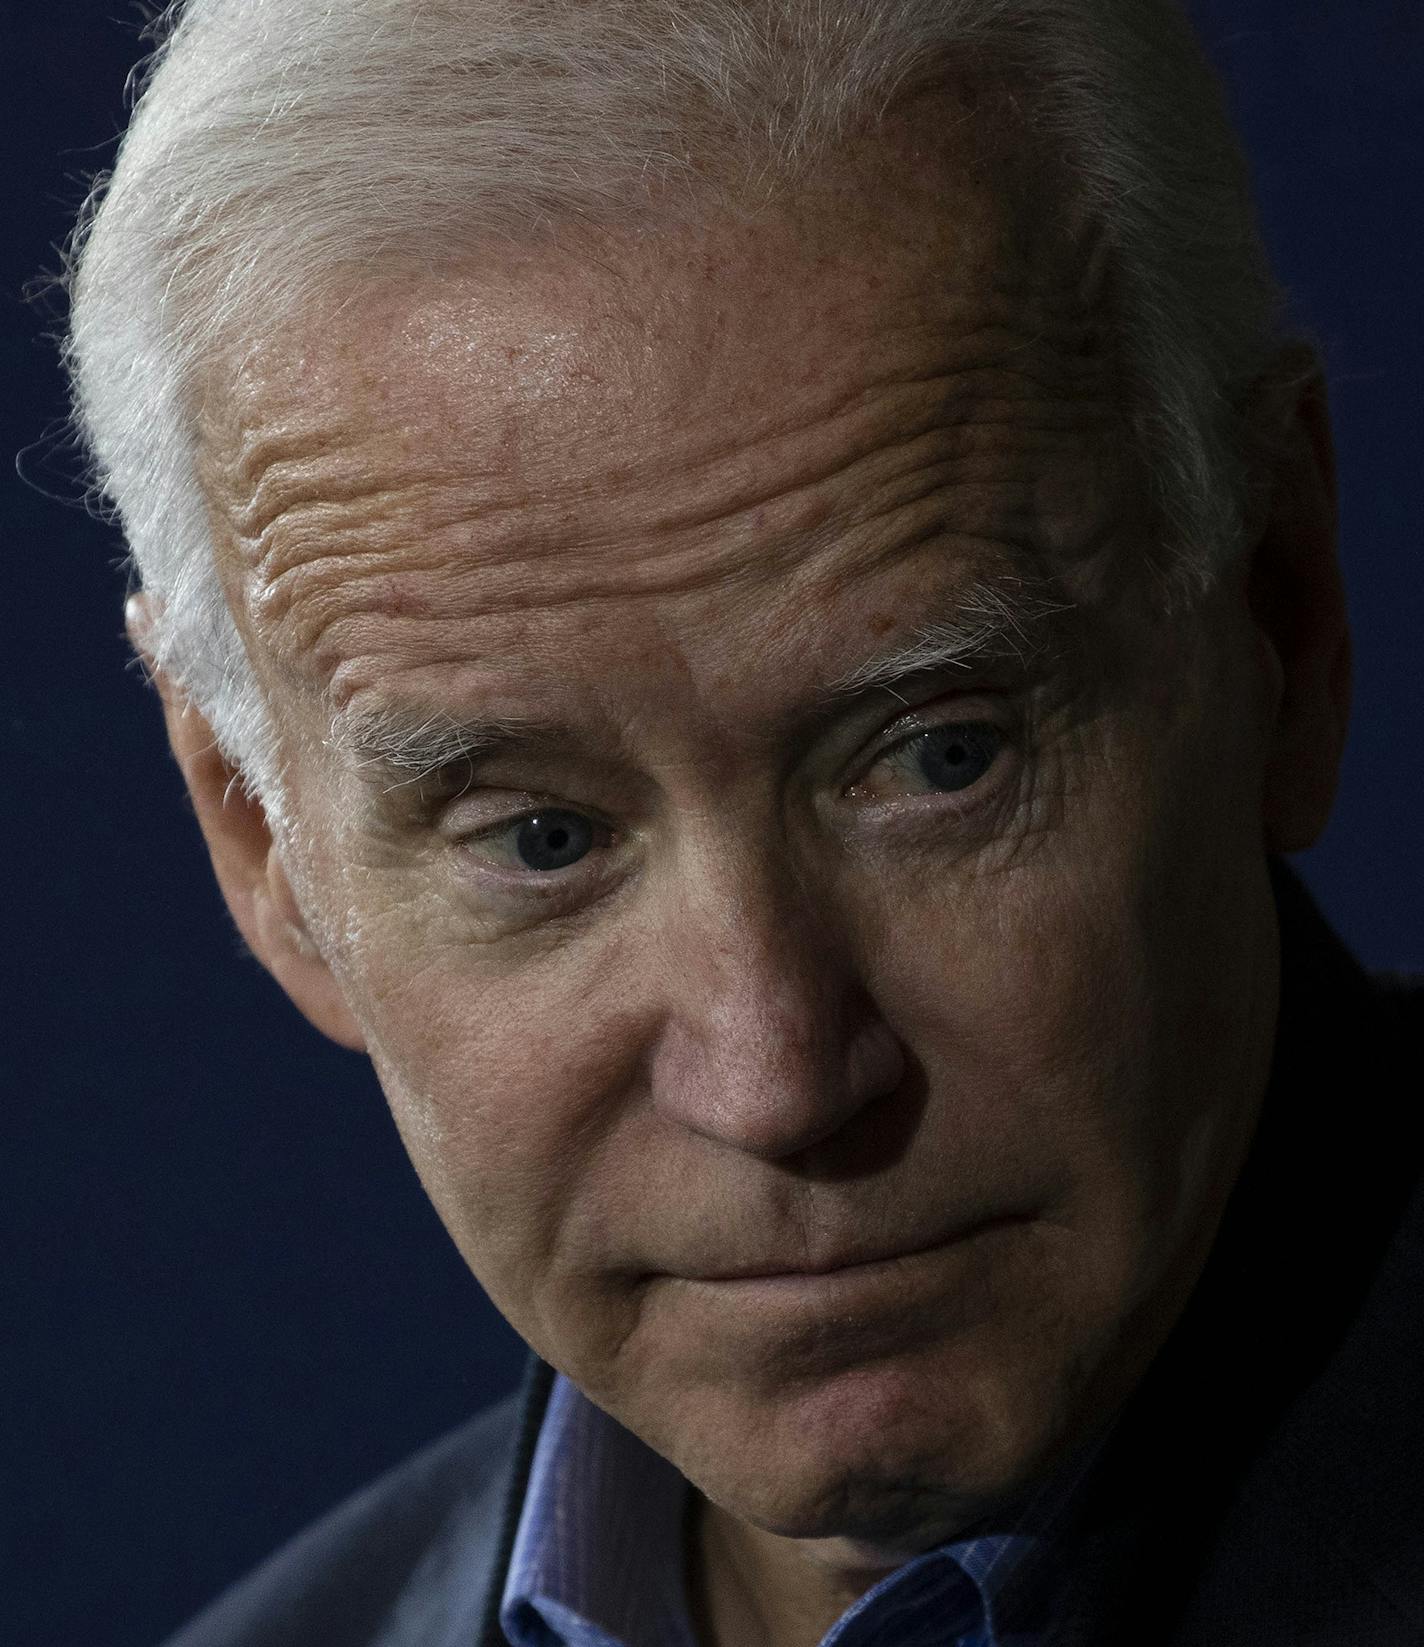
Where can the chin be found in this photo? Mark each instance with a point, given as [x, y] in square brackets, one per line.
[896, 1457]
[896, 1516]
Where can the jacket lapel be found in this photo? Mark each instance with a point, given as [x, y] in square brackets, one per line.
[1264, 1484]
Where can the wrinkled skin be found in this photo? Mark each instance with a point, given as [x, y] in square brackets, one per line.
[799, 1004]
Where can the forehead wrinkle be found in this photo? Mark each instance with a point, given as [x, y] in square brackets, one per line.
[324, 471]
[350, 631]
[984, 357]
[343, 493]
[337, 473]
[275, 463]
[321, 560]
[338, 642]
[961, 425]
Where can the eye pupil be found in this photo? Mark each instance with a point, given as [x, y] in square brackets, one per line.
[553, 840]
[955, 757]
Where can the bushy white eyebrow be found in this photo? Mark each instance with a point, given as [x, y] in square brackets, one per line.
[994, 618]
[991, 619]
[409, 745]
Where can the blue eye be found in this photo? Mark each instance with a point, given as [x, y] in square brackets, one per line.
[553, 840]
[954, 757]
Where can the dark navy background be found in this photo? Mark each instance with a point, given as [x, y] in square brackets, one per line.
[227, 1303]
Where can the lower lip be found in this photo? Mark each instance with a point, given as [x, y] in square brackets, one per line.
[839, 1287]
[800, 1325]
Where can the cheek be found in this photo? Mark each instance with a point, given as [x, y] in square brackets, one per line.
[509, 1095]
[1089, 1011]
[1028, 1003]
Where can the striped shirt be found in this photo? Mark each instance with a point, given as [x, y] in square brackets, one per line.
[598, 1555]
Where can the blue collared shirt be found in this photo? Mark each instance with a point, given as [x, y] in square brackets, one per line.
[598, 1555]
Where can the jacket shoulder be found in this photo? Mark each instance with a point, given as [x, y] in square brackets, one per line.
[1322, 1545]
[407, 1559]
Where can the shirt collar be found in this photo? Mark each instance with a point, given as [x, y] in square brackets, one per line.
[597, 1556]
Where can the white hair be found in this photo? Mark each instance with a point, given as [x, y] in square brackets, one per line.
[279, 146]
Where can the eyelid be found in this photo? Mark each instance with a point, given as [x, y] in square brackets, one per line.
[522, 876]
[931, 716]
[512, 806]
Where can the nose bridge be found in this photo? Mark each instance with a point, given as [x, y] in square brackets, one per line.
[766, 1044]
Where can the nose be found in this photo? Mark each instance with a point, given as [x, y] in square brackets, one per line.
[770, 1041]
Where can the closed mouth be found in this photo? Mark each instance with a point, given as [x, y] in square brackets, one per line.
[853, 1263]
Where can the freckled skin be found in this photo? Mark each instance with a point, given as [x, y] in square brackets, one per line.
[662, 495]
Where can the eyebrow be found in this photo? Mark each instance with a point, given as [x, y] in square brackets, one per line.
[992, 619]
[989, 621]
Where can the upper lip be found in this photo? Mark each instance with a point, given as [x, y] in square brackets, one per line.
[851, 1258]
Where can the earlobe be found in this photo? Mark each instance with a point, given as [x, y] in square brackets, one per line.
[248, 867]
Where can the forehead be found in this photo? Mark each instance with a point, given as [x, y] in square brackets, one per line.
[748, 410]
[911, 245]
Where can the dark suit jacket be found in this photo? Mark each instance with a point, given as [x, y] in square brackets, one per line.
[1264, 1486]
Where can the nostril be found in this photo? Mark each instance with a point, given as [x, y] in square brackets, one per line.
[876, 1061]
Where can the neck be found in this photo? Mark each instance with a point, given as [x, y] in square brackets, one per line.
[748, 1585]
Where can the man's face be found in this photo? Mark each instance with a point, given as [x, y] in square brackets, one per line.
[838, 1075]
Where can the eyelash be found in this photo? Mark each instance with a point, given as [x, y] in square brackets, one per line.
[551, 881]
[968, 729]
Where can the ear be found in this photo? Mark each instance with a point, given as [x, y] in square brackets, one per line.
[1297, 603]
[248, 867]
